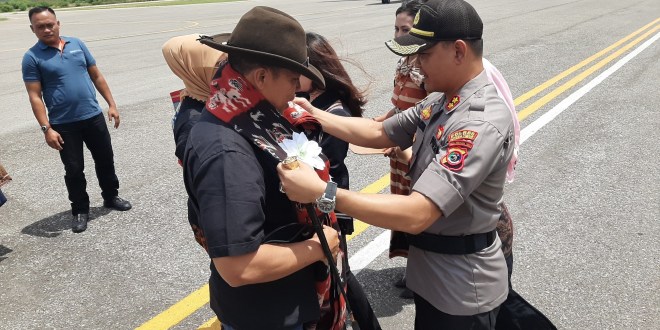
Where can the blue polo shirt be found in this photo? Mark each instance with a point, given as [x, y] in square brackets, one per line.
[67, 88]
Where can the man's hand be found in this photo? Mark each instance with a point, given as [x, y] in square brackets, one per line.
[113, 114]
[54, 139]
[390, 152]
[302, 184]
[333, 242]
[397, 153]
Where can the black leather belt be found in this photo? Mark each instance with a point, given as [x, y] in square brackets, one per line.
[467, 244]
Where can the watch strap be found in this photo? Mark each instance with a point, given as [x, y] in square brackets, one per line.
[326, 203]
[330, 190]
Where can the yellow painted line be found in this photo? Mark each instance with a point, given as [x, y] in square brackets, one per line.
[179, 311]
[557, 91]
[358, 228]
[168, 321]
[522, 98]
[212, 324]
[374, 188]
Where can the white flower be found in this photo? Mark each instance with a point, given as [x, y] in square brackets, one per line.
[306, 151]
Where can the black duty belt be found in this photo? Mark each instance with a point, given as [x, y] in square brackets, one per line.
[466, 244]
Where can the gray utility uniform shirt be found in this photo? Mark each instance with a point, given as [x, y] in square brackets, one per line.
[462, 146]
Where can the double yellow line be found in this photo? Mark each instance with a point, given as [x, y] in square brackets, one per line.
[526, 112]
[196, 300]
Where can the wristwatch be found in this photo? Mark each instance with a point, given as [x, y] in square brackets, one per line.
[44, 129]
[326, 203]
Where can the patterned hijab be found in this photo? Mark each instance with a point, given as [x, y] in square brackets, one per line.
[194, 63]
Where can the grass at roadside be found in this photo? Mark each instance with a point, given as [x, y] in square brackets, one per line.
[150, 4]
[23, 5]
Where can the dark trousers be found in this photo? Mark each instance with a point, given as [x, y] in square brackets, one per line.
[428, 317]
[94, 133]
[3, 199]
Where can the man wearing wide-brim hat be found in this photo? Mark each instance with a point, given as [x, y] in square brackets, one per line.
[258, 280]
[462, 139]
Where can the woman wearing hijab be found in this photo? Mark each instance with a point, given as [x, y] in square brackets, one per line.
[195, 64]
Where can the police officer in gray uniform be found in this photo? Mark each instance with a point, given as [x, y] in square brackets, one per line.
[462, 136]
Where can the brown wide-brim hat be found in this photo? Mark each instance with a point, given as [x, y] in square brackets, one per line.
[270, 37]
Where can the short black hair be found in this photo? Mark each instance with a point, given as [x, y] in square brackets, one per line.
[476, 45]
[40, 9]
[410, 7]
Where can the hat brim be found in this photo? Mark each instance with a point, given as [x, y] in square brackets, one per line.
[219, 42]
[409, 44]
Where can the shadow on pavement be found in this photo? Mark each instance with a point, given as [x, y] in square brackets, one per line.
[380, 289]
[55, 224]
[4, 251]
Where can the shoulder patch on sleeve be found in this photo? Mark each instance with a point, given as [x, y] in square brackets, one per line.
[463, 134]
[454, 159]
[459, 144]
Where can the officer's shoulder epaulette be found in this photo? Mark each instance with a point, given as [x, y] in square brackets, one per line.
[430, 98]
[478, 101]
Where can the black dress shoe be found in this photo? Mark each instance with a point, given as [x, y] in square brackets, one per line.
[401, 283]
[79, 222]
[117, 204]
[407, 294]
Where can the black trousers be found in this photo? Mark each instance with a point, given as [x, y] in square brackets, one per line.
[94, 133]
[428, 317]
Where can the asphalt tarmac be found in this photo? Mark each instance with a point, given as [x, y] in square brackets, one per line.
[585, 201]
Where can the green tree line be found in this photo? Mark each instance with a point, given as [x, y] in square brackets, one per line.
[22, 5]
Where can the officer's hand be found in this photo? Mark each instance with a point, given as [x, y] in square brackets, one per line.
[54, 139]
[380, 118]
[304, 103]
[113, 114]
[302, 184]
[333, 242]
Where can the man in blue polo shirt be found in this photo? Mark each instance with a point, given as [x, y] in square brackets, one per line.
[60, 75]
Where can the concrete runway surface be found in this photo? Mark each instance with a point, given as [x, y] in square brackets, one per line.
[585, 202]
